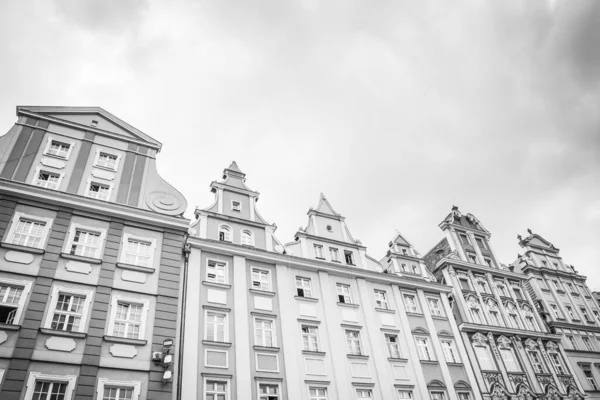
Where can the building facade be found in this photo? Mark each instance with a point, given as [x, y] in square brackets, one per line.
[90, 259]
[513, 353]
[567, 306]
[315, 319]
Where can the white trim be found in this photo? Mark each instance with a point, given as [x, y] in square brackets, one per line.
[135, 385]
[230, 233]
[26, 285]
[74, 226]
[125, 240]
[218, 379]
[34, 376]
[233, 208]
[251, 237]
[56, 290]
[97, 157]
[225, 323]
[17, 217]
[206, 364]
[40, 168]
[114, 300]
[274, 330]
[269, 279]
[265, 382]
[225, 270]
[276, 355]
[49, 140]
[100, 182]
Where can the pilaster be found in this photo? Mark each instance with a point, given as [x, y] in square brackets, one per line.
[243, 379]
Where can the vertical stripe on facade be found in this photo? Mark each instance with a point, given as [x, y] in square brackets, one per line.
[80, 163]
[30, 152]
[126, 177]
[136, 183]
[16, 153]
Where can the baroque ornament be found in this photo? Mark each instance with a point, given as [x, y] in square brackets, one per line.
[498, 393]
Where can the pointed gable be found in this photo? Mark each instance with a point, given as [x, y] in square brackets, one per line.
[324, 207]
[535, 240]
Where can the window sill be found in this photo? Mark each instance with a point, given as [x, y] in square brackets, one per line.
[53, 332]
[262, 292]
[25, 249]
[116, 339]
[560, 291]
[314, 353]
[357, 356]
[456, 364]
[266, 348]
[385, 310]
[216, 344]
[57, 157]
[81, 258]
[352, 265]
[9, 327]
[304, 298]
[351, 305]
[321, 258]
[148, 270]
[105, 168]
[441, 318]
[418, 314]
[216, 285]
[429, 361]
[397, 359]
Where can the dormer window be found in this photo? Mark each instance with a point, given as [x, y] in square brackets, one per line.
[224, 233]
[348, 257]
[236, 206]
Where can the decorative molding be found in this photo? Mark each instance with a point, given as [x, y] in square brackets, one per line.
[134, 276]
[479, 340]
[19, 257]
[123, 351]
[60, 344]
[3, 337]
[78, 267]
[164, 203]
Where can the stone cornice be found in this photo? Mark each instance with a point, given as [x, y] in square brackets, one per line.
[478, 268]
[332, 241]
[501, 330]
[230, 249]
[237, 220]
[555, 272]
[580, 327]
[85, 204]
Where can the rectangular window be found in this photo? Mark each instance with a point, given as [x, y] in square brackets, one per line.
[303, 287]
[48, 180]
[588, 343]
[423, 349]
[464, 239]
[518, 293]
[403, 267]
[587, 371]
[556, 285]
[501, 287]
[435, 307]
[530, 323]
[405, 394]
[128, 319]
[438, 396]
[216, 390]
[570, 312]
[449, 351]
[464, 283]
[480, 243]
[572, 342]
[215, 272]
[476, 315]
[353, 342]
[542, 284]
[236, 206]
[115, 393]
[489, 262]
[508, 356]
[364, 394]
[317, 393]
[260, 279]
[464, 396]
[585, 314]
[318, 251]
[483, 287]
[68, 313]
[97, 190]
[310, 338]
[108, 161]
[48, 390]
[557, 362]
[495, 318]
[410, 303]
[472, 257]
[216, 328]
[268, 391]
[28, 233]
[536, 361]
[571, 287]
[264, 332]
[392, 345]
[58, 149]
[10, 297]
[335, 254]
[348, 257]
[484, 356]
[555, 311]
[85, 244]
[343, 292]
[381, 299]
[138, 252]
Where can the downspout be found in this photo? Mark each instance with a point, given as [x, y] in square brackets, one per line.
[187, 248]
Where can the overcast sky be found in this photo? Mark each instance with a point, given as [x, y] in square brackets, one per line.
[396, 110]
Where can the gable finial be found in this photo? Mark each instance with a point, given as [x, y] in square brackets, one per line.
[530, 232]
[454, 208]
[519, 237]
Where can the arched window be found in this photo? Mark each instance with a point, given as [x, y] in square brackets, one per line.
[224, 233]
[492, 308]
[513, 315]
[529, 318]
[475, 308]
[247, 238]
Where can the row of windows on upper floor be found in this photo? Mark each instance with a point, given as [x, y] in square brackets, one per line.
[220, 389]
[69, 309]
[217, 272]
[84, 241]
[471, 254]
[490, 314]
[557, 285]
[479, 283]
[574, 339]
[574, 315]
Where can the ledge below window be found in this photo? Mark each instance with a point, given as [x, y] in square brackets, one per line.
[24, 249]
[455, 364]
[441, 318]
[216, 285]
[262, 292]
[357, 356]
[148, 270]
[53, 332]
[416, 314]
[304, 298]
[397, 359]
[314, 353]
[266, 348]
[116, 339]
[88, 260]
[9, 327]
[429, 361]
[385, 310]
[217, 344]
[351, 305]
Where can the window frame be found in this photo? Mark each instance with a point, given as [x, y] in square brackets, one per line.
[439, 308]
[45, 169]
[248, 234]
[380, 296]
[103, 151]
[25, 287]
[225, 265]
[260, 281]
[342, 286]
[358, 339]
[216, 378]
[227, 233]
[303, 287]
[360, 389]
[389, 344]
[98, 181]
[16, 218]
[273, 331]
[58, 290]
[318, 250]
[452, 349]
[310, 335]
[351, 254]
[39, 376]
[119, 298]
[268, 383]
[336, 251]
[125, 244]
[234, 208]
[415, 303]
[426, 346]
[534, 353]
[317, 396]
[225, 325]
[103, 382]
[78, 226]
[62, 140]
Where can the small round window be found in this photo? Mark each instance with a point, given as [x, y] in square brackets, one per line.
[329, 228]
